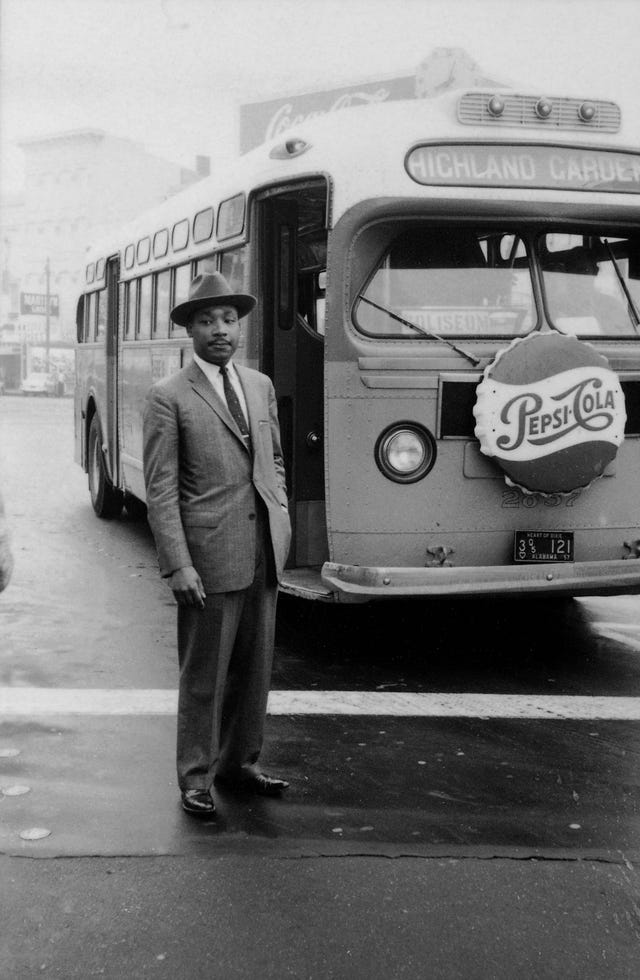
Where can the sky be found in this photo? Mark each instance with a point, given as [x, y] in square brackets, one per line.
[171, 74]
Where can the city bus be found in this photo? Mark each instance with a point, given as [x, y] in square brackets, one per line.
[449, 309]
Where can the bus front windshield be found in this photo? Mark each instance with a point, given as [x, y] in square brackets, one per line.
[591, 283]
[448, 281]
[467, 282]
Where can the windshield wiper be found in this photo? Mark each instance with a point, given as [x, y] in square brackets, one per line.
[428, 333]
[631, 308]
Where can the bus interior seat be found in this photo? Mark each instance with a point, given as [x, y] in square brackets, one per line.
[580, 261]
[439, 250]
[573, 261]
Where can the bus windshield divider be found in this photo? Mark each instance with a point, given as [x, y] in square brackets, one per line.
[633, 313]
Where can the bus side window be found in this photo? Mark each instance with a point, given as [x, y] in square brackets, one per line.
[101, 321]
[181, 280]
[144, 321]
[80, 319]
[206, 266]
[91, 318]
[131, 310]
[162, 304]
[122, 306]
[233, 266]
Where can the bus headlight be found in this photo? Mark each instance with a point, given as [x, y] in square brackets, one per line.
[405, 452]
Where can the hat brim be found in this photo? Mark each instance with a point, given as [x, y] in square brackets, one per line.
[243, 303]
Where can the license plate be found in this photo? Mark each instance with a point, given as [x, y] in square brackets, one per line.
[532, 546]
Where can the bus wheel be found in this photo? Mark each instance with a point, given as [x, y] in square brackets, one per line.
[105, 499]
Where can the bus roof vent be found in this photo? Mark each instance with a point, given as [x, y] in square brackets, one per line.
[527, 111]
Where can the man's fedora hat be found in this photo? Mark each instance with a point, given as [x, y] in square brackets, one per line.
[211, 289]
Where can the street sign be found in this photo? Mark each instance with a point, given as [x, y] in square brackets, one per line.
[36, 303]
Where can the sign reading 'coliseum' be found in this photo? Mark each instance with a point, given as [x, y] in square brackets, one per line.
[525, 166]
[551, 412]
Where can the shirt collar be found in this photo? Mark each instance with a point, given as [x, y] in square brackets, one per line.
[212, 370]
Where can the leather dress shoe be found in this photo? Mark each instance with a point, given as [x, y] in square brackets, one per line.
[198, 803]
[251, 781]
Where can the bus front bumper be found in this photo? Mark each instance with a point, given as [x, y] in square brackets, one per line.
[356, 583]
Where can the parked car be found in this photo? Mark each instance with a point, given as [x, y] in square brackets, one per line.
[39, 383]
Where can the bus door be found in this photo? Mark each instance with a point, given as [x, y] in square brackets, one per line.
[110, 420]
[293, 249]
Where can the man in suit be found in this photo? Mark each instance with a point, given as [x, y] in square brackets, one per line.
[217, 506]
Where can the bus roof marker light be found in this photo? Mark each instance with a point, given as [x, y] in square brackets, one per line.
[496, 106]
[587, 112]
[290, 148]
[544, 108]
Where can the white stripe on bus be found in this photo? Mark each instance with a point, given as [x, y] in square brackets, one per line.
[25, 701]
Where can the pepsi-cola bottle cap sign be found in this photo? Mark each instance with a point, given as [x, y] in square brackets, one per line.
[550, 411]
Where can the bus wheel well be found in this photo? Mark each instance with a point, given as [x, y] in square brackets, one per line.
[106, 499]
[91, 411]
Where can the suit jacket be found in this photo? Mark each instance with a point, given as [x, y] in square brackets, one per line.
[202, 482]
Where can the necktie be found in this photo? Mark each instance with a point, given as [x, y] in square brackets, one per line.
[234, 406]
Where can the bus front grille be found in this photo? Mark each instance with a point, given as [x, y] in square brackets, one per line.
[457, 399]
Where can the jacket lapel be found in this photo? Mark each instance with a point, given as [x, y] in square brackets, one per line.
[204, 389]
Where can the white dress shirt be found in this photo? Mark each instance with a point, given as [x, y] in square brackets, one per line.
[212, 371]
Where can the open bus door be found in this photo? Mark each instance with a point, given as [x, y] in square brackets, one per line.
[293, 356]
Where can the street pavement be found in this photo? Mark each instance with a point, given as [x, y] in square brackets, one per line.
[481, 821]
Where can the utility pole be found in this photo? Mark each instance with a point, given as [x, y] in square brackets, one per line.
[47, 275]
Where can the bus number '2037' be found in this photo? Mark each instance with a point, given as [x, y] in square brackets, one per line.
[515, 498]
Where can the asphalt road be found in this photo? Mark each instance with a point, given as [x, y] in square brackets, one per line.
[464, 793]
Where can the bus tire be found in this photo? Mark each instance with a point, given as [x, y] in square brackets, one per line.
[136, 509]
[105, 499]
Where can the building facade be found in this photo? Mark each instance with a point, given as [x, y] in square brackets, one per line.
[77, 186]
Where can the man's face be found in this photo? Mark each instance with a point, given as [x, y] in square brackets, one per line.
[215, 332]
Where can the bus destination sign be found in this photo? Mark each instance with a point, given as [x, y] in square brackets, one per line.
[561, 167]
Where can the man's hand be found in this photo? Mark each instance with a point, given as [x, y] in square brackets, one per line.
[186, 585]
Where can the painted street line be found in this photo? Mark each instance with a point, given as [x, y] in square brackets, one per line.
[452, 705]
[26, 701]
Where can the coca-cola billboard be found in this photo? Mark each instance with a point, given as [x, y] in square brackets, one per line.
[261, 121]
[442, 69]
